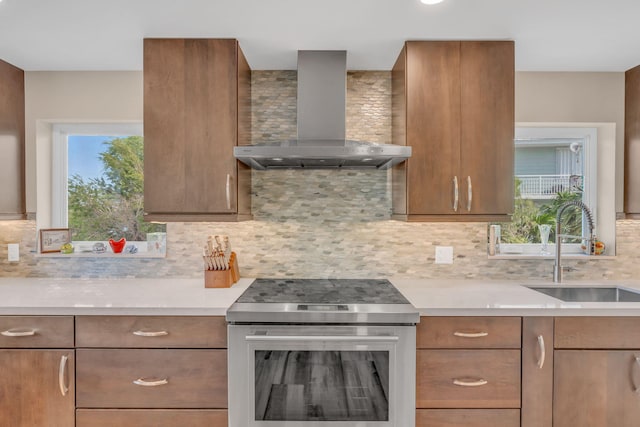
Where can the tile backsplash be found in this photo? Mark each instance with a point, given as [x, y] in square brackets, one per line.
[319, 224]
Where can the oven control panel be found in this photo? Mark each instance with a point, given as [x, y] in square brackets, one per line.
[323, 307]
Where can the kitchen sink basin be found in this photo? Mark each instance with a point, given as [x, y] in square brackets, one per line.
[589, 294]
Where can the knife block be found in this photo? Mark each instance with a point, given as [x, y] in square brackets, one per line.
[223, 278]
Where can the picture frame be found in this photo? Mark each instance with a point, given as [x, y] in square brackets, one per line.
[52, 239]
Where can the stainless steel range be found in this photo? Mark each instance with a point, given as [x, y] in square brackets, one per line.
[320, 353]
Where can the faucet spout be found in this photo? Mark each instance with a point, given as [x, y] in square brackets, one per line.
[557, 266]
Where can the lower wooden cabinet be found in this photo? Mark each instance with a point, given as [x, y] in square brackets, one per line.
[596, 388]
[468, 379]
[537, 372]
[151, 378]
[467, 418]
[37, 388]
[150, 418]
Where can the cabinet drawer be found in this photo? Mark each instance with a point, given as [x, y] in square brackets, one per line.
[194, 378]
[468, 379]
[597, 332]
[151, 332]
[150, 418]
[467, 418]
[469, 332]
[36, 331]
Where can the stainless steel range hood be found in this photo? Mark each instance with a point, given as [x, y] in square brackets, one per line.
[321, 143]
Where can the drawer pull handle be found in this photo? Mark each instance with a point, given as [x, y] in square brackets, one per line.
[471, 334]
[19, 333]
[62, 375]
[151, 333]
[470, 383]
[543, 351]
[146, 383]
[469, 194]
[455, 194]
[633, 383]
[228, 191]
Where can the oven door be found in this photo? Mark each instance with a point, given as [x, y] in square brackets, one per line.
[305, 376]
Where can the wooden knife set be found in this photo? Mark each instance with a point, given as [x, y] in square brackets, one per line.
[220, 263]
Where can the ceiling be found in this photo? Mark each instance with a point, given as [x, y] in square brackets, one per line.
[550, 35]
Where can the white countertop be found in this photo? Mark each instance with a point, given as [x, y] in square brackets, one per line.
[169, 297]
[175, 297]
[507, 298]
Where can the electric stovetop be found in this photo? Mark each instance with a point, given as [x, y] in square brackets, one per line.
[322, 301]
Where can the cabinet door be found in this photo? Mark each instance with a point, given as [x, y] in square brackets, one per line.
[37, 388]
[151, 418]
[190, 126]
[595, 388]
[537, 371]
[433, 120]
[12, 200]
[632, 143]
[487, 127]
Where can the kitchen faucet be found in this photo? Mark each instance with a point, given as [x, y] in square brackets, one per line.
[557, 267]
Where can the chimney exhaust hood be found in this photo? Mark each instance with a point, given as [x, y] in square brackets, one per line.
[321, 143]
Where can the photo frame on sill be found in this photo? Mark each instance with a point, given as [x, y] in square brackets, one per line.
[52, 239]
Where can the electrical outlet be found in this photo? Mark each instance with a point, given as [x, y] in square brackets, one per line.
[444, 254]
[13, 250]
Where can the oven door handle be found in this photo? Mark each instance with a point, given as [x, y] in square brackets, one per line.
[348, 338]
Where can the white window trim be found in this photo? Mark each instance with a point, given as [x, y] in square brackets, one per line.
[59, 158]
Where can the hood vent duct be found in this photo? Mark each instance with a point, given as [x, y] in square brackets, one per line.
[321, 143]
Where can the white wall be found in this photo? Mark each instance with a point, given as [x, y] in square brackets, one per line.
[76, 96]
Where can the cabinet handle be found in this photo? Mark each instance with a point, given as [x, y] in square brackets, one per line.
[633, 383]
[19, 333]
[62, 375]
[455, 194]
[470, 334]
[150, 334]
[146, 383]
[469, 194]
[543, 351]
[228, 188]
[470, 383]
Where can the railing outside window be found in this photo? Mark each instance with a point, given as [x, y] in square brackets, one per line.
[547, 186]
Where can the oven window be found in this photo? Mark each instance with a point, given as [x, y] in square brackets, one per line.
[322, 385]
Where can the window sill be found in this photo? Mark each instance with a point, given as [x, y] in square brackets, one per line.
[575, 256]
[102, 255]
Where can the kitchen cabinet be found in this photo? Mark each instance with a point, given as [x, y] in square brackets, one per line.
[597, 371]
[632, 143]
[37, 371]
[197, 101]
[468, 371]
[151, 370]
[537, 372]
[12, 142]
[453, 103]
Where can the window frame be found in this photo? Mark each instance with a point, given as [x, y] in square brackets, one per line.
[60, 157]
[557, 131]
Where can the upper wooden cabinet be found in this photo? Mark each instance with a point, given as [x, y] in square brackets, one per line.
[453, 103]
[197, 101]
[12, 198]
[632, 143]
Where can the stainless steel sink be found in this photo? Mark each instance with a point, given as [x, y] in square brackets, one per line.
[589, 293]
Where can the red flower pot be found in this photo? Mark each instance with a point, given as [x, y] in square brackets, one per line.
[117, 245]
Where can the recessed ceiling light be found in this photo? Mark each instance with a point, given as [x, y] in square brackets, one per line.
[431, 1]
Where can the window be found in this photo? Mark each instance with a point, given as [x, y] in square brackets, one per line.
[555, 165]
[98, 183]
